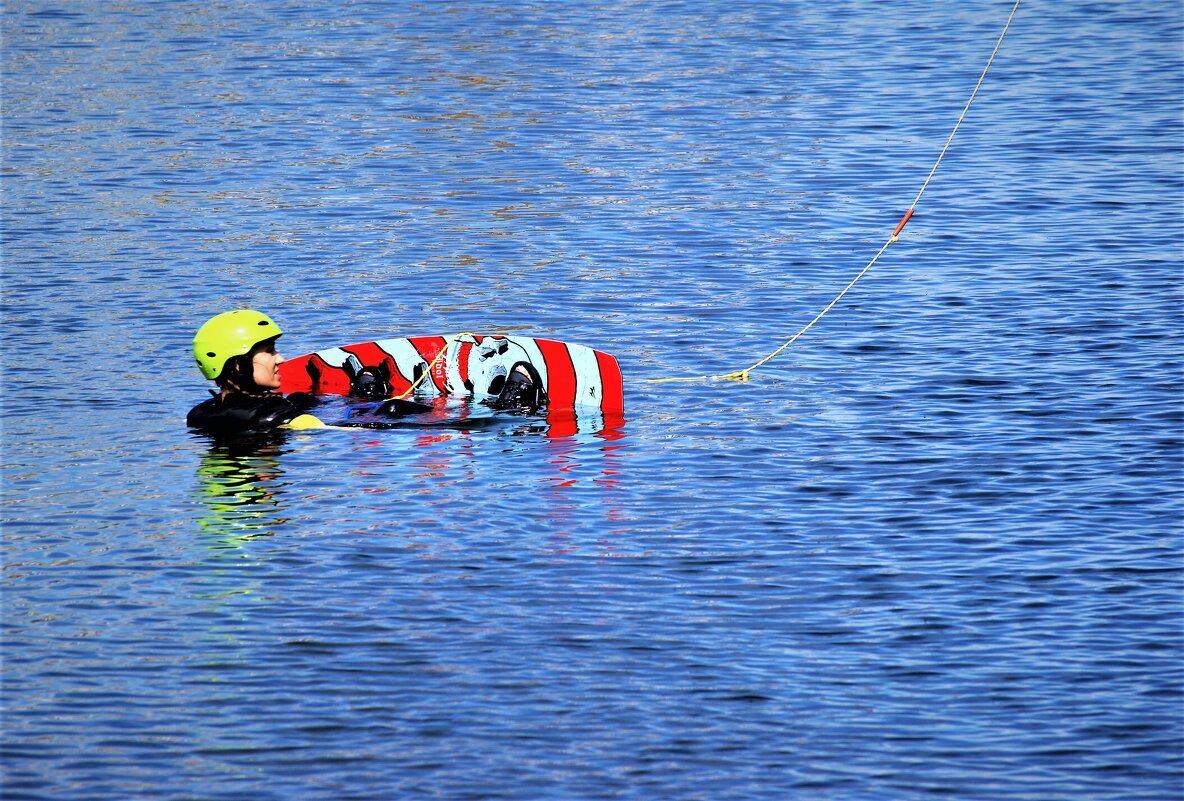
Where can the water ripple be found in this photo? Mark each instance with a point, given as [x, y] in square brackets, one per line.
[931, 550]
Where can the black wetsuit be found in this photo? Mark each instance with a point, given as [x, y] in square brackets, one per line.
[237, 413]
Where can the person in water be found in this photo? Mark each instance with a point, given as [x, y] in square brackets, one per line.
[237, 351]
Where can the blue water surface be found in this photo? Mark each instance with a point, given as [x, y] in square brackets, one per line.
[932, 550]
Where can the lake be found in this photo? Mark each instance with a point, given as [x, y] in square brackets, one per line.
[932, 550]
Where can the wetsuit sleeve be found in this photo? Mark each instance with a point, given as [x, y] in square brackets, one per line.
[274, 415]
[205, 415]
[303, 401]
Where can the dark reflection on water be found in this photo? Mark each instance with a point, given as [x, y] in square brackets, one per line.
[932, 551]
[240, 483]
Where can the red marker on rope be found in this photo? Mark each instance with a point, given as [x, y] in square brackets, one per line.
[742, 375]
[900, 225]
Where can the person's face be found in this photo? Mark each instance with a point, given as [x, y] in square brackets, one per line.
[266, 365]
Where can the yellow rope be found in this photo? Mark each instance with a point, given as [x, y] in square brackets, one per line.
[742, 375]
[432, 363]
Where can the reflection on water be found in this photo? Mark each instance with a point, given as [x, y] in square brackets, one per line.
[941, 536]
[240, 486]
[583, 482]
[433, 483]
[418, 476]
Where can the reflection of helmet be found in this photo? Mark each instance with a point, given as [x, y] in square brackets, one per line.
[240, 484]
[228, 335]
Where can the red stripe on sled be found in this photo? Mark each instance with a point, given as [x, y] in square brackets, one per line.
[370, 355]
[294, 375]
[612, 391]
[561, 373]
[400, 381]
[429, 348]
[462, 362]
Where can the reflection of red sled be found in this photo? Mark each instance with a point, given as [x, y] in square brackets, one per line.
[574, 377]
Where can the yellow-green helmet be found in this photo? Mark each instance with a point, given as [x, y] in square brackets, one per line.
[228, 335]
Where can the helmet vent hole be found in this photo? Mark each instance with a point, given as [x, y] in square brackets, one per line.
[211, 353]
[263, 322]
